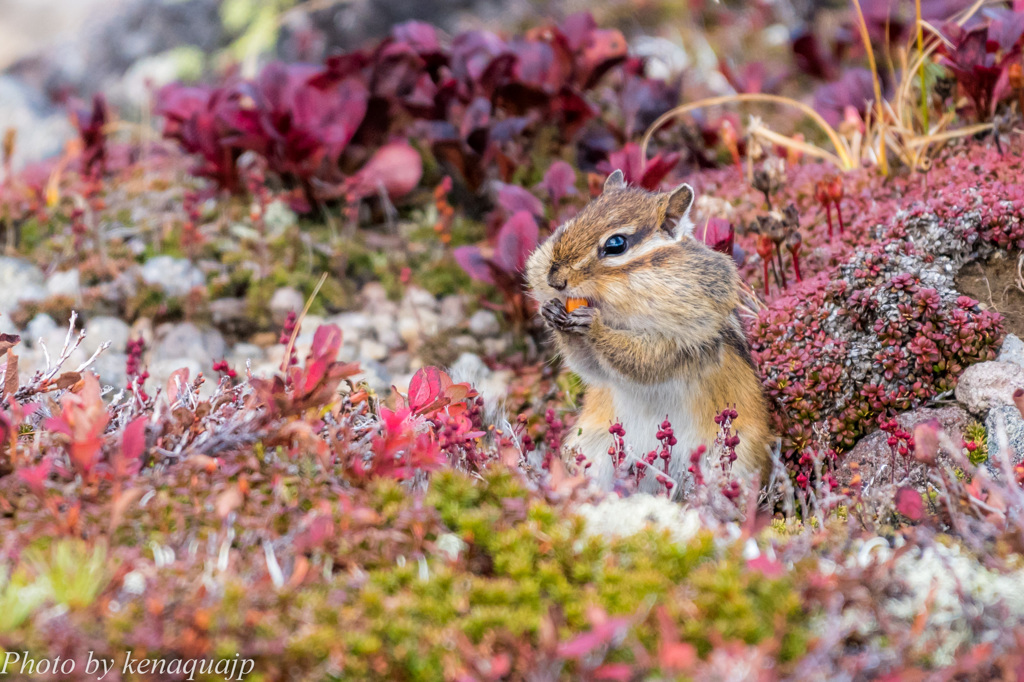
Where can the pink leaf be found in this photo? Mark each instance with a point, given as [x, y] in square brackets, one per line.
[909, 503]
[326, 343]
[514, 199]
[35, 477]
[559, 181]
[133, 441]
[395, 168]
[473, 262]
[516, 240]
[766, 566]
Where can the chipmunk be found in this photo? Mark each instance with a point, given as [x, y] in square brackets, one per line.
[659, 335]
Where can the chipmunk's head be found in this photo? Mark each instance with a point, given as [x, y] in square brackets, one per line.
[621, 232]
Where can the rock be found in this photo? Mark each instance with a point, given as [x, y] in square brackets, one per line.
[106, 328]
[386, 329]
[484, 324]
[372, 350]
[65, 283]
[452, 311]
[42, 128]
[111, 368]
[245, 351]
[286, 300]
[176, 276]
[19, 281]
[352, 325]
[1012, 350]
[1004, 426]
[40, 327]
[278, 217]
[495, 347]
[231, 315]
[492, 386]
[414, 325]
[617, 517]
[398, 363]
[986, 384]
[872, 455]
[186, 341]
[374, 294]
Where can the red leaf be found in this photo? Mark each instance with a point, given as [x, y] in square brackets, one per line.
[514, 199]
[395, 168]
[516, 241]
[613, 671]
[133, 441]
[326, 343]
[472, 260]
[766, 566]
[559, 181]
[35, 477]
[909, 503]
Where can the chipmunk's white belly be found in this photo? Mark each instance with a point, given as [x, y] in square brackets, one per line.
[641, 410]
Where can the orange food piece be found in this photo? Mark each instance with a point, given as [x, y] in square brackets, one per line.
[572, 304]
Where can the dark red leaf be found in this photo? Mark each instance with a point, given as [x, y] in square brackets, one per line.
[909, 503]
[516, 241]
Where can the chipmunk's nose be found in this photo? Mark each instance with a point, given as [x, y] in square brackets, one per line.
[556, 280]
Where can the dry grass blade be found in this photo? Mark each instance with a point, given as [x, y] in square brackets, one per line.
[842, 153]
[882, 162]
[298, 323]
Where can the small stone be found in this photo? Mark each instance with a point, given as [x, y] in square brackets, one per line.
[415, 325]
[176, 276]
[452, 311]
[65, 283]
[1012, 350]
[872, 454]
[286, 300]
[352, 324]
[242, 353]
[484, 323]
[202, 346]
[495, 347]
[111, 367]
[398, 363]
[419, 299]
[386, 329]
[372, 350]
[987, 384]
[374, 294]
[232, 316]
[40, 327]
[106, 328]
[465, 343]
[19, 281]
[1011, 434]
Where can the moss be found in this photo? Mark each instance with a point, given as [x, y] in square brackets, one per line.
[975, 434]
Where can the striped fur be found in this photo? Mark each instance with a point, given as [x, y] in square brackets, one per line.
[660, 335]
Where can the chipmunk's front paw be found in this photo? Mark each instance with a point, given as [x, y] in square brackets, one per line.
[576, 322]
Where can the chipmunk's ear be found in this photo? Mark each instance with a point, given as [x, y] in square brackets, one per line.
[615, 181]
[677, 214]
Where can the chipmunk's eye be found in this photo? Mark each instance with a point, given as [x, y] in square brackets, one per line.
[614, 245]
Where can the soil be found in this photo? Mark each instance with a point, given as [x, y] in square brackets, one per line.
[997, 284]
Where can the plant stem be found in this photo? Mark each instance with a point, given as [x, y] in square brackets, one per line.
[883, 163]
[920, 49]
[828, 212]
[841, 159]
[839, 212]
